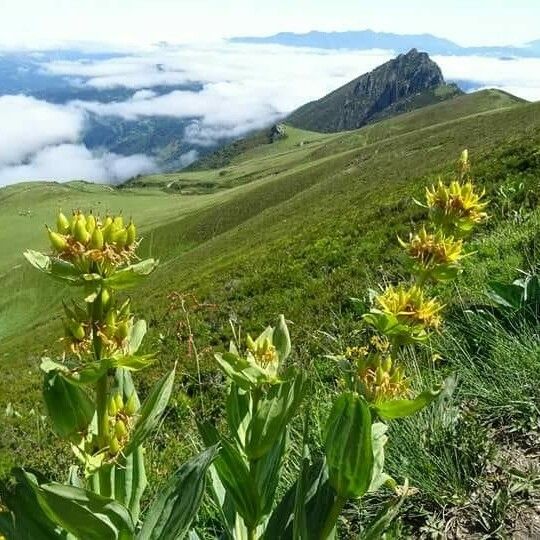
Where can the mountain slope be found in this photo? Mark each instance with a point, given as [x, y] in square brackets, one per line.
[405, 83]
[315, 225]
[178, 223]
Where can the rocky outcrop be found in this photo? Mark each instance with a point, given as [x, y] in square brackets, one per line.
[395, 83]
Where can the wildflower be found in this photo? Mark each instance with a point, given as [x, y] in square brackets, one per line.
[87, 239]
[457, 206]
[434, 255]
[375, 375]
[263, 353]
[409, 306]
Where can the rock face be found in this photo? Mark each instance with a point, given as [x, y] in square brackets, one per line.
[277, 131]
[401, 84]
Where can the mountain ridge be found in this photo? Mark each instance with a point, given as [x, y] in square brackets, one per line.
[369, 39]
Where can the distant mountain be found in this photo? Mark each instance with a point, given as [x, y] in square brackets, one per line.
[405, 83]
[368, 39]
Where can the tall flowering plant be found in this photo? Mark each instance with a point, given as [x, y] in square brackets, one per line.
[92, 402]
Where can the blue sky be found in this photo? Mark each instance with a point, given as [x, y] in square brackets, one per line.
[480, 22]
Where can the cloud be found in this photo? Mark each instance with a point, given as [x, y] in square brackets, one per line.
[188, 158]
[28, 125]
[244, 87]
[66, 162]
[519, 76]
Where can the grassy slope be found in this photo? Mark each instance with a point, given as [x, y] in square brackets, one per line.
[313, 227]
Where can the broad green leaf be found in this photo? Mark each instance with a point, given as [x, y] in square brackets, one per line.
[25, 519]
[239, 370]
[273, 414]
[398, 408]
[266, 472]
[383, 520]
[348, 446]
[318, 499]
[379, 477]
[55, 267]
[151, 411]
[281, 339]
[234, 474]
[174, 509]
[69, 407]
[131, 275]
[238, 412]
[506, 295]
[83, 513]
[136, 335]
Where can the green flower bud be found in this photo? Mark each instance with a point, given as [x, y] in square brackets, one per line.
[97, 241]
[114, 446]
[62, 223]
[108, 221]
[119, 237]
[58, 242]
[387, 364]
[111, 406]
[76, 329]
[118, 222]
[120, 430]
[131, 405]
[123, 330]
[90, 223]
[131, 234]
[80, 233]
[119, 401]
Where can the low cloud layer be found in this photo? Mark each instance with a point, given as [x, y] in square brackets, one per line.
[244, 87]
[28, 125]
[75, 162]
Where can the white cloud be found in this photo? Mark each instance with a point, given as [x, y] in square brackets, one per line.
[519, 76]
[28, 125]
[66, 162]
[144, 94]
[188, 158]
[244, 87]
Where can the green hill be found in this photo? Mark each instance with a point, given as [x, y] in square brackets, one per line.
[296, 226]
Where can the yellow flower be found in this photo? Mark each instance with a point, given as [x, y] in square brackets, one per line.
[90, 240]
[457, 205]
[264, 353]
[381, 380]
[409, 305]
[430, 250]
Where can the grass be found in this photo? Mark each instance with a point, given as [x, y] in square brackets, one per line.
[300, 228]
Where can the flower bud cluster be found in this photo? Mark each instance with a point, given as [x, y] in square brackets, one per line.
[121, 421]
[378, 376]
[410, 306]
[116, 326]
[87, 238]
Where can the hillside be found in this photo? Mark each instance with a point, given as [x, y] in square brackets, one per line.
[299, 226]
[410, 81]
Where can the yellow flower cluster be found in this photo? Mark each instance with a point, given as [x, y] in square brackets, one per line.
[433, 249]
[121, 420]
[379, 377]
[86, 238]
[458, 204]
[410, 306]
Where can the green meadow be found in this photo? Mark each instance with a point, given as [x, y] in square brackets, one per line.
[299, 227]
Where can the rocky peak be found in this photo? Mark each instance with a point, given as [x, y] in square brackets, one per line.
[365, 98]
